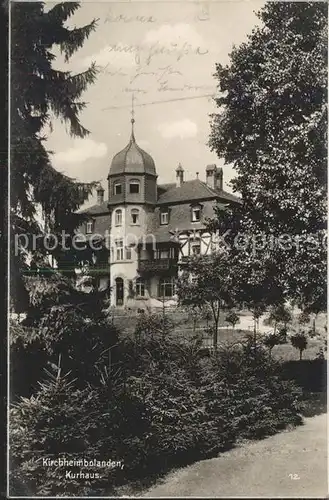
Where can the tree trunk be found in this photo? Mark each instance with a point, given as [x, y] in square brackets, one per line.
[300, 354]
[216, 335]
[163, 307]
[274, 327]
[216, 330]
[109, 361]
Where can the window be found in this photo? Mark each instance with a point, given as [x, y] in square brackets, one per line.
[195, 248]
[164, 254]
[118, 217]
[128, 253]
[134, 187]
[166, 287]
[196, 214]
[117, 188]
[164, 218]
[135, 216]
[140, 287]
[89, 227]
[119, 249]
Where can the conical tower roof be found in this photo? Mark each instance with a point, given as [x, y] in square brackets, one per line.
[132, 159]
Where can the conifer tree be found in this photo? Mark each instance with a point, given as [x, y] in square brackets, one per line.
[40, 93]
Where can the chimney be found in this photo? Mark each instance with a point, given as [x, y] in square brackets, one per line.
[179, 175]
[219, 179]
[211, 176]
[100, 195]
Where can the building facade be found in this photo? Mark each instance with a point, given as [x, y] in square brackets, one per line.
[150, 228]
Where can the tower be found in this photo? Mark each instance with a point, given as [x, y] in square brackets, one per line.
[132, 194]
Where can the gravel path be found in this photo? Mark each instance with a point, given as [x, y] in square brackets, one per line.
[289, 464]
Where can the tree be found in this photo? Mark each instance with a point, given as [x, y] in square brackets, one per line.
[272, 127]
[271, 340]
[232, 318]
[208, 282]
[299, 341]
[39, 94]
[279, 314]
[256, 284]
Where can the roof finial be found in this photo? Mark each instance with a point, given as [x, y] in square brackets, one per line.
[132, 117]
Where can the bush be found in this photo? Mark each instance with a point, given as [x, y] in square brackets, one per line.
[310, 375]
[57, 423]
[80, 334]
[162, 405]
[151, 325]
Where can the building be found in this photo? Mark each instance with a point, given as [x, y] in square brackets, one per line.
[150, 228]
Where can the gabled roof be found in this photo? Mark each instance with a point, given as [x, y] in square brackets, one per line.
[192, 191]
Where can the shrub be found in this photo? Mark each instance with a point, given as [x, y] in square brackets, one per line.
[57, 423]
[161, 405]
[261, 401]
[79, 332]
[150, 325]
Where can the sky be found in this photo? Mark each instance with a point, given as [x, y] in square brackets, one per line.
[164, 54]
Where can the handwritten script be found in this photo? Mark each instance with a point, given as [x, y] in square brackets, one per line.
[122, 18]
[202, 15]
[155, 66]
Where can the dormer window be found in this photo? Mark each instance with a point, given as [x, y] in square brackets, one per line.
[134, 186]
[89, 227]
[196, 213]
[118, 217]
[164, 217]
[135, 216]
[117, 188]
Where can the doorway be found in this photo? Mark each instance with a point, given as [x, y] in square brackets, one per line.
[119, 291]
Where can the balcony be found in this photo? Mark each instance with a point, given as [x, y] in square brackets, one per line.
[157, 266]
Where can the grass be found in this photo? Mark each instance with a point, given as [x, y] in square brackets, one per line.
[184, 327]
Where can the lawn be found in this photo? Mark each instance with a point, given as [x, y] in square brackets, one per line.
[185, 326]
